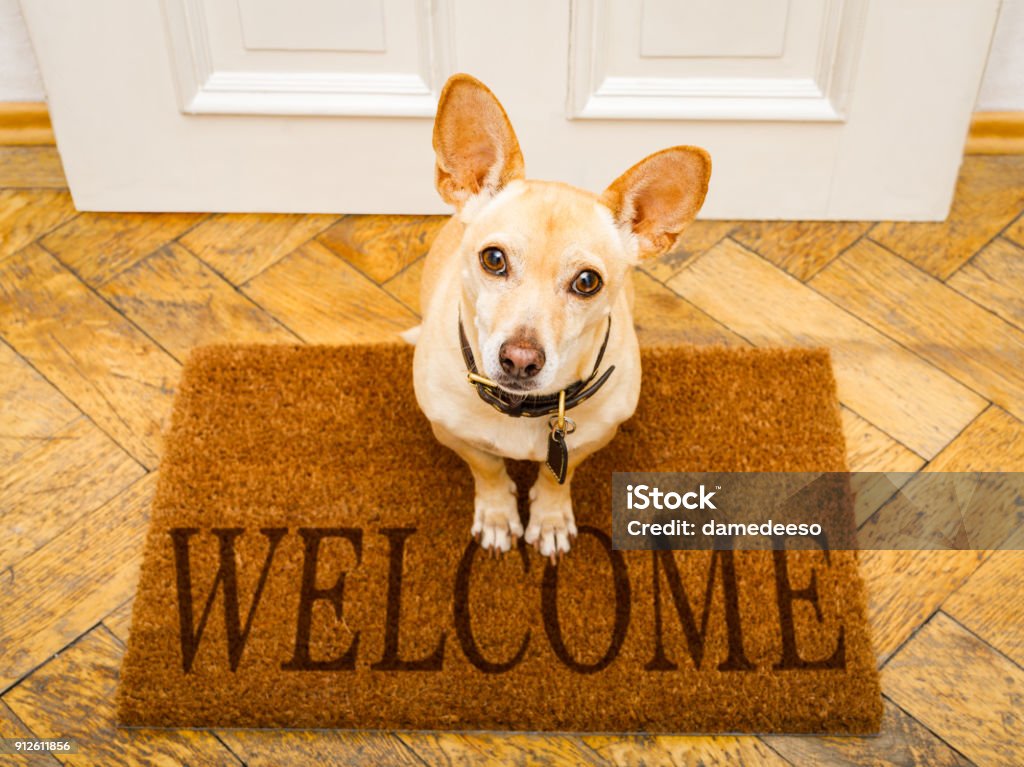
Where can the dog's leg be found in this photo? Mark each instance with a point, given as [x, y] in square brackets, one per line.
[552, 525]
[496, 524]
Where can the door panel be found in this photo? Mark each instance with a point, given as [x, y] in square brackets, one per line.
[836, 109]
[312, 25]
[713, 28]
[309, 57]
[787, 60]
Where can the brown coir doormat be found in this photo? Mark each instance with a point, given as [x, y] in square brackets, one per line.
[309, 564]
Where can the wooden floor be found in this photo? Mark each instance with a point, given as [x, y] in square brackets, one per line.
[98, 312]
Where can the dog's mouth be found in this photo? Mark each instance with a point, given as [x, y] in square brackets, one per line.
[516, 387]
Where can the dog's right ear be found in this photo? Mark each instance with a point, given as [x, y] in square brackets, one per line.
[477, 150]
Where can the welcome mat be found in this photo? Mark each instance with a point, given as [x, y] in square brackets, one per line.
[309, 564]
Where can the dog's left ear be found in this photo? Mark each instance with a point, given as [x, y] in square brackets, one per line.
[659, 196]
[477, 150]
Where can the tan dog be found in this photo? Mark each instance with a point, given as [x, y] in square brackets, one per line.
[538, 275]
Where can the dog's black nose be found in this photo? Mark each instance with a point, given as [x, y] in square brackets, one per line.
[521, 358]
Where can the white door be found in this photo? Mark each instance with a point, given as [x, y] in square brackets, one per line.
[835, 109]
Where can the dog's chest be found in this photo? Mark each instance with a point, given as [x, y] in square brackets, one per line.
[523, 439]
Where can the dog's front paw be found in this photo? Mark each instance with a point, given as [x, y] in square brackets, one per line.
[552, 525]
[496, 525]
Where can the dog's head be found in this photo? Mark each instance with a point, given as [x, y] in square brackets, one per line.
[543, 262]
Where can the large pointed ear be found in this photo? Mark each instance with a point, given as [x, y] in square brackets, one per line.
[659, 196]
[477, 150]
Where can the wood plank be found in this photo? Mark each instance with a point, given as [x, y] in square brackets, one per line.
[119, 622]
[962, 690]
[905, 588]
[30, 408]
[241, 245]
[272, 748]
[902, 741]
[802, 248]
[991, 603]
[381, 246]
[872, 491]
[181, 303]
[932, 320]
[25, 123]
[12, 727]
[881, 464]
[940, 512]
[673, 750]
[1015, 231]
[35, 167]
[405, 286]
[327, 301]
[988, 196]
[696, 239]
[481, 748]
[99, 360]
[98, 246]
[55, 483]
[892, 388]
[994, 278]
[870, 449]
[69, 585]
[994, 441]
[26, 214]
[663, 318]
[73, 696]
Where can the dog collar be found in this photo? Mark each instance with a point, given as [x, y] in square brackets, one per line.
[534, 405]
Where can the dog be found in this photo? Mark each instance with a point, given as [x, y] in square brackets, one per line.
[527, 348]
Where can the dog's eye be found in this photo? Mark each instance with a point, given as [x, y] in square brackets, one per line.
[493, 261]
[587, 283]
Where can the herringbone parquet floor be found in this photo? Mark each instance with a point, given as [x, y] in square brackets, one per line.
[98, 311]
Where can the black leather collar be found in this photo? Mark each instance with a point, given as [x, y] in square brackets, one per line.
[533, 405]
